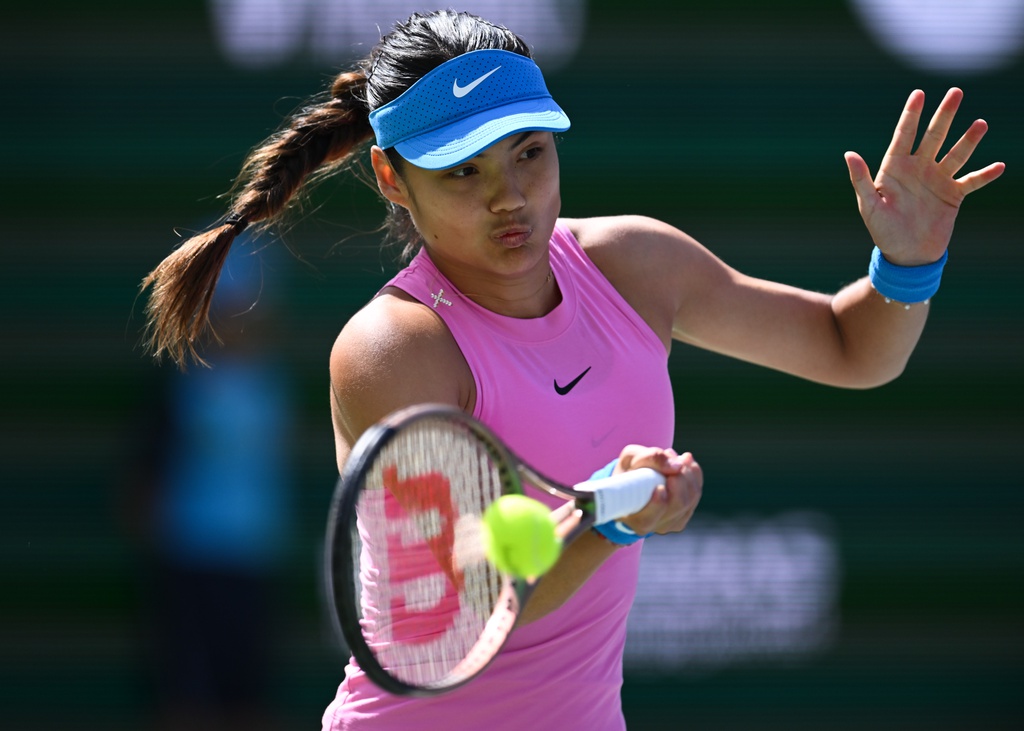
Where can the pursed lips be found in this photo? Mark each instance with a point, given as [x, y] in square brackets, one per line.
[512, 235]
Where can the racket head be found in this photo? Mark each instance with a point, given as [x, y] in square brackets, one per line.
[411, 592]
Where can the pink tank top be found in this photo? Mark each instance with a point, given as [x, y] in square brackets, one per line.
[566, 392]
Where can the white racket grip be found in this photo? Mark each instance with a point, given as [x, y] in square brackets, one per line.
[623, 494]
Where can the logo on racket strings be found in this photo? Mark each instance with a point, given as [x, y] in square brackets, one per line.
[425, 581]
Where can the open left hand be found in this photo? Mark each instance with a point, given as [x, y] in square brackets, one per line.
[911, 205]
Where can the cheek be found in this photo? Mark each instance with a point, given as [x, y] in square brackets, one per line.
[547, 177]
[545, 189]
[442, 217]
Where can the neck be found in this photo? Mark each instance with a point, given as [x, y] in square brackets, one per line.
[531, 294]
[511, 302]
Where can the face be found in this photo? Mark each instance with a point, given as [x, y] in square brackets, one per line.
[488, 218]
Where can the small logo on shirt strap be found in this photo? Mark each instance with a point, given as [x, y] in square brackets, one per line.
[439, 300]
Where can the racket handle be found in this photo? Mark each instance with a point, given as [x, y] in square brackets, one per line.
[623, 494]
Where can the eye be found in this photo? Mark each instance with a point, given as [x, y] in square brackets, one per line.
[462, 172]
[531, 152]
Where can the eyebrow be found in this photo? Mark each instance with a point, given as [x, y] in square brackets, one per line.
[519, 140]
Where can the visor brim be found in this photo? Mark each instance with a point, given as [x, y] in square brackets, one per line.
[455, 143]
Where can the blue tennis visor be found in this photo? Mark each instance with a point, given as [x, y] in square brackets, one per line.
[466, 105]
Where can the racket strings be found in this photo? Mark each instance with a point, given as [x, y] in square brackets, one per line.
[427, 592]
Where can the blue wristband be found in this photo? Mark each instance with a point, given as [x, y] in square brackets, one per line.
[618, 533]
[615, 531]
[905, 284]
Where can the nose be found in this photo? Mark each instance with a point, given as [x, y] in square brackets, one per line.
[508, 193]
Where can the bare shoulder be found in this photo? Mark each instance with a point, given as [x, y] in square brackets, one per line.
[619, 237]
[393, 353]
[639, 251]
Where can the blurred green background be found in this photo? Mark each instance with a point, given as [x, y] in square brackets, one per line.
[727, 119]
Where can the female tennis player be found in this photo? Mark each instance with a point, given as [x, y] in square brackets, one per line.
[555, 331]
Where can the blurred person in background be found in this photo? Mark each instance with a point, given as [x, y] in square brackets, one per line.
[214, 509]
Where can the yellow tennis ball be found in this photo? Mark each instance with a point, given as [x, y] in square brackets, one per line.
[519, 536]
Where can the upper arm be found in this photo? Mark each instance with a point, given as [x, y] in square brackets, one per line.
[392, 354]
[686, 293]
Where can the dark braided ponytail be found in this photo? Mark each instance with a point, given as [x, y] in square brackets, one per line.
[312, 144]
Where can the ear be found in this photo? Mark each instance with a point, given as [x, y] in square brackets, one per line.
[390, 185]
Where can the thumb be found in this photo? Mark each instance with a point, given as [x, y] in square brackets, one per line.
[665, 461]
[860, 177]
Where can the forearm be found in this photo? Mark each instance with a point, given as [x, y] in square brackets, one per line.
[877, 336]
[574, 568]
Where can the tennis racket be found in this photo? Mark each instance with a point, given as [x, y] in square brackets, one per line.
[410, 589]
